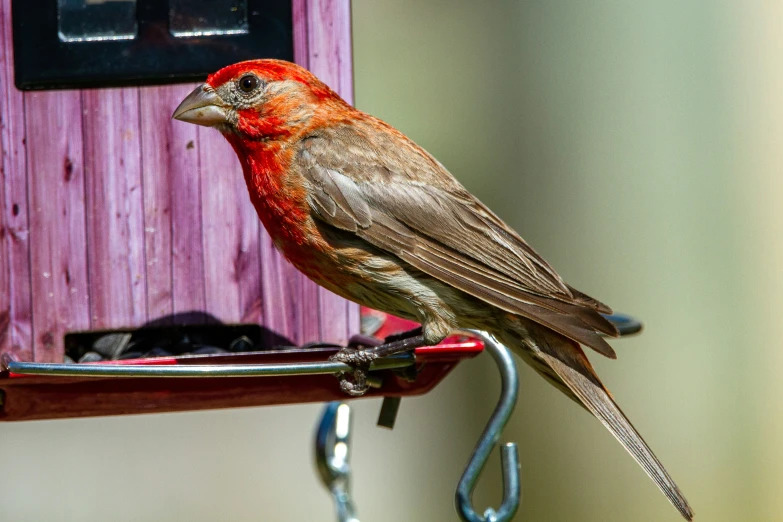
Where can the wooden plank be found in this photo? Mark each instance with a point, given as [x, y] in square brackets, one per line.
[15, 291]
[279, 286]
[172, 210]
[115, 213]
[232, 252]
[310, 318]
[323, 44]
[354, 318]
[58, 260]
[5, 185]
[301, 41]
[171, 273]
[329, 44]
[5, 265]
[155, 141]
[187, 253]
[283, 297]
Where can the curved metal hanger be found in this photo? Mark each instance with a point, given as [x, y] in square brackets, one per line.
[333, 437]
[509, 455]
[626, 324]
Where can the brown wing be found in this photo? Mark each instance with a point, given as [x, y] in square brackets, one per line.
[442, 230]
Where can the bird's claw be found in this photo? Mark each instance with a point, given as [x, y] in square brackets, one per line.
[354, 357]
[354, 383]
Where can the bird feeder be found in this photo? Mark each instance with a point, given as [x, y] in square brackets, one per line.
[128, 240]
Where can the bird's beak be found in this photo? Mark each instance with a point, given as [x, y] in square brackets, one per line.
[203, 106]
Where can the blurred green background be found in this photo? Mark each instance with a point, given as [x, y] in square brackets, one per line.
[637, 146]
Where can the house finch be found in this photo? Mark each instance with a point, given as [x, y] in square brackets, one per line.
[365, 212]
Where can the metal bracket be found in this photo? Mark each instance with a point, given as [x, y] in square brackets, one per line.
[388, 414]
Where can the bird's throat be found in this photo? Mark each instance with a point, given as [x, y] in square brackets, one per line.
[280, 201]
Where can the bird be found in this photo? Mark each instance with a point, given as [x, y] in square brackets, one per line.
[365, 212]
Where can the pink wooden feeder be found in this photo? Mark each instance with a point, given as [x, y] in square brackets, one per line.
[113, 217]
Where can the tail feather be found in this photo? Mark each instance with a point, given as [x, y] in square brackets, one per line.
[565, 365]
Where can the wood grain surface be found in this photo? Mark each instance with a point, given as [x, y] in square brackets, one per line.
[113, 215]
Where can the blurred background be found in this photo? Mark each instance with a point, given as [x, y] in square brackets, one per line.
[637, 147]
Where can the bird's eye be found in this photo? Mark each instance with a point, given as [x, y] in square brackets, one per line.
[248, 83]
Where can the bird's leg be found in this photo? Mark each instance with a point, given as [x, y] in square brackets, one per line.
[362, 358]
[404, 335]
[400, 344]
[363, 349]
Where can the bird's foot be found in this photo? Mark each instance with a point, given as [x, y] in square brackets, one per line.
[358, 354]
[355, 357]
[363, 350]
[354, 384]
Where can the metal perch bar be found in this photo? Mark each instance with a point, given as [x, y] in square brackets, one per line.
[217, 370]
[489, 438]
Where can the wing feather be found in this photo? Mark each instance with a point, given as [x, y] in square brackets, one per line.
[578, 379]
[447, 233]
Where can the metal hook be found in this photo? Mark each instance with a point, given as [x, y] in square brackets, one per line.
[509, 379]
[332, 450]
